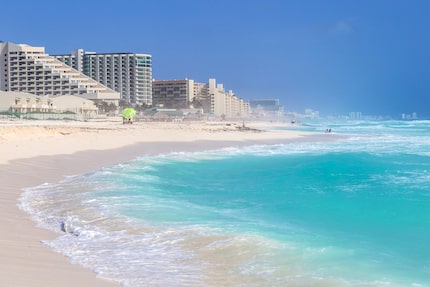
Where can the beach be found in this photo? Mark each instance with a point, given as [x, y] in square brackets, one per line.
[37, 152]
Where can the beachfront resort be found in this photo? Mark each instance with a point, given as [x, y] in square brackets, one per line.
[106, 82]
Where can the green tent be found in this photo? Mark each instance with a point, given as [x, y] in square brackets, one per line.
[128, 115]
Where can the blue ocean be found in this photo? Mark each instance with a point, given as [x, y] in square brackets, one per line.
[349, 211]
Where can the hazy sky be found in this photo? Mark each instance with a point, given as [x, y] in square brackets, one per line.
[337, 56]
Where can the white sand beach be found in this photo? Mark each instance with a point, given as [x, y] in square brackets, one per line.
[35, 152]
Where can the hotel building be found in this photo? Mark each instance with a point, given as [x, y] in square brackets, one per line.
[226, 104]
[172, 93]
[28, 69]
[127, 73]
[212, 97]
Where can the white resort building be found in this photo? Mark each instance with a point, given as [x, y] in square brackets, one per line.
[44, 107]
[127, 73]
[29, 69]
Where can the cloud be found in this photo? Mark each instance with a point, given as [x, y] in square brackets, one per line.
[341, 28]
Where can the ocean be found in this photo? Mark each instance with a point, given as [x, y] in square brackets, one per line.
[354, 211]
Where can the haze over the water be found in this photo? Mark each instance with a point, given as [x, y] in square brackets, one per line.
[333, 56]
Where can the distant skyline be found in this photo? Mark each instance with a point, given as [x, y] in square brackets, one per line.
[371, 56]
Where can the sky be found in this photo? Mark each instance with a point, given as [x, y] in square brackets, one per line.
[340, 56]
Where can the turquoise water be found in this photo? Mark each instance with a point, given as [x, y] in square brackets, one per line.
[351, 212]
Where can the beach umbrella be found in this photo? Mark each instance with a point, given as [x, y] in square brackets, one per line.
[129, 113]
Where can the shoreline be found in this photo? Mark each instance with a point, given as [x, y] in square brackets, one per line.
[71, 149]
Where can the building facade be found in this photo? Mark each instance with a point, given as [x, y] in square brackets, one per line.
[226, 104]
[38, 106]
[29, 69]
[210, 97]
[127, 73]
[202, 97]
[172, 93]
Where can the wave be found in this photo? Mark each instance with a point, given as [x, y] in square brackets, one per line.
[160, 237]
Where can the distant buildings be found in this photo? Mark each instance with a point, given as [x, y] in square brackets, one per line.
[412, 116]
[267, 108]
[226, 104]
[127, 73]
[311, 114]
[107, 77]
[210, 97]
[29, 69]
[355, 116]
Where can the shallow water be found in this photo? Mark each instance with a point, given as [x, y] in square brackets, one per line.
[353, 212]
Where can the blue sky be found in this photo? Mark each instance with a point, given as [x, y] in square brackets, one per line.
[335, 56]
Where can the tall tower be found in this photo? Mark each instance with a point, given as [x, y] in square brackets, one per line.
[127, 73]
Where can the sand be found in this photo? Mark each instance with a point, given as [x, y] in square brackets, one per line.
[35, 152]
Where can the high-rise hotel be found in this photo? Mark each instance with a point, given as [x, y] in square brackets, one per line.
[28, 69]
[127, 73]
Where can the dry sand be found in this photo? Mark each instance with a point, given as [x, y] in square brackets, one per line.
[36, 152]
